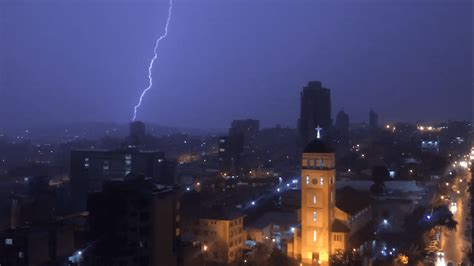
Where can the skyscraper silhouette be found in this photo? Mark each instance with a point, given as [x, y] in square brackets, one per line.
[315, 110]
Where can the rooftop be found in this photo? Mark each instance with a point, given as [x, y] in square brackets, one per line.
[345, 200]
[339, 226]
[317, 146]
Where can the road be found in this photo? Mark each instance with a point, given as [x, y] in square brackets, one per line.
[455, 243]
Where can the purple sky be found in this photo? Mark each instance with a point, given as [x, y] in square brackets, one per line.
[70, 60]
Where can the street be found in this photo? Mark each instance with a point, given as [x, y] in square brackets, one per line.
[454, 243]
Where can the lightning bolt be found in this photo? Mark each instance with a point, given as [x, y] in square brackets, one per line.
[152, 61]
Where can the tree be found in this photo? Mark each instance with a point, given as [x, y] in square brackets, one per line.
[401, 259]
[278, 258]
[345, 258]
[444, 217]
[379, 175]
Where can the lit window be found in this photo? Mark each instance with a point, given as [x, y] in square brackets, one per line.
[8, 241]
[314, 216]
[307, 180]
[86, 162]
[321, 180]
[128, 159]
[321, 163]
[314, 199]
[105, 166]
[314, 235]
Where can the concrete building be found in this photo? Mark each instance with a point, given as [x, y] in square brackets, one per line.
[230, 150]
[220, 232]
[359, 211]
[342, 122]
[137, 133]
[324, 227]
[135, 222]
[373, 119]
[89, 169]
[49, 244]
[315, 110]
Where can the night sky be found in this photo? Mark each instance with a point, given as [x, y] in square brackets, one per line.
[68, 60]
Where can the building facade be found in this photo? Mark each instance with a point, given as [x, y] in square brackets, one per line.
[137, 133]
[89, 169]
[315, 110]
[135, 222]
[373, 119]
[342, 122]
[221, 234]
[324, 228]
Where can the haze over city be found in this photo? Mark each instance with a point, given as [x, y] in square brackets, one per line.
[87, 60]
[236, 133]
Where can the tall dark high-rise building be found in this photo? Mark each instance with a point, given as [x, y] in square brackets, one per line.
[137, 132]
[242, 137]
[315, 110]
[373, 119]
[342, 122]
[245, 130]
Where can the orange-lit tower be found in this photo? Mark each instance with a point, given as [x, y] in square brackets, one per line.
[318, 193]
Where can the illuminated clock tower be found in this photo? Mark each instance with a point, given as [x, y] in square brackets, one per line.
[318, 193]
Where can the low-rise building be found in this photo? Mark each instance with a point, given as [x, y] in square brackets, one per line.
[220, 232]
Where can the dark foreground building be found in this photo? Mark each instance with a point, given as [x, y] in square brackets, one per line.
[89, 169]
[133, 222]
[37, 245]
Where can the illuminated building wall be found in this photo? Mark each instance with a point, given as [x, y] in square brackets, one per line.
[221, 234]
[324, 227]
